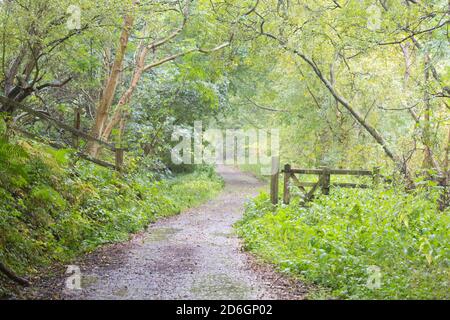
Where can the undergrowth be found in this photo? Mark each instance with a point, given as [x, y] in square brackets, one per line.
[358, 244]
[53, 209]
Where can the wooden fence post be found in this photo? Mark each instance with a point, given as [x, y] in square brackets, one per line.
[376, 175]
[274, 180]
[77, 126]
[286, 192]
[325, 181]
[119, 159]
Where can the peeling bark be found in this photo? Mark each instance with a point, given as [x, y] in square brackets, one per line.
[109, 91]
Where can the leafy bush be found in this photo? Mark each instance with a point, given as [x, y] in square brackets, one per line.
[341, 242]
[52, 210]
[12, 160]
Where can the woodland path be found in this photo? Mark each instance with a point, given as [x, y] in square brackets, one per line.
[195, 255]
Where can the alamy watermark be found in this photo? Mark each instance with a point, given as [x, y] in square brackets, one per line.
[74, 20]
[374, 278]
[73, 282]
[373, 17]
[229, 147]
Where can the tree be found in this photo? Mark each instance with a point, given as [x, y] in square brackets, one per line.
[336, 41]
[102, 127]
[30, 52]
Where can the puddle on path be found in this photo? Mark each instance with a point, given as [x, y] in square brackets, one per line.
[160, 234]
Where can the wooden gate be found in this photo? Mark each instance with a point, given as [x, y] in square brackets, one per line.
[292, 176]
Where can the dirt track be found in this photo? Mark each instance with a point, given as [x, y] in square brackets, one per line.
[195, 255]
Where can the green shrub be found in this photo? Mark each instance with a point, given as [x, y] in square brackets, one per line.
[13, 173]
[340, 240]
[44, 195]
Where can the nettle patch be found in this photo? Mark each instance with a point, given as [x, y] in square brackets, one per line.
[357, 244]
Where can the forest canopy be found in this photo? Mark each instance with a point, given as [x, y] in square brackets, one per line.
[359, 80]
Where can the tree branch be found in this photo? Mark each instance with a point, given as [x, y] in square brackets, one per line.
[181, 54]
[54, 84]
[359, 118]
[11, 275]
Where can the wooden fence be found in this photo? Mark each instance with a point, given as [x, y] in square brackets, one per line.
[324, 180]
[76, 133]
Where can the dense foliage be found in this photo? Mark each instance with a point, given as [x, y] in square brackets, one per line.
[337, 240]
[353, 82]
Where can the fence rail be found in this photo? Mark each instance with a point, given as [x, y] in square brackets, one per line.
[291, 176]
[76, 132]
[332, 171]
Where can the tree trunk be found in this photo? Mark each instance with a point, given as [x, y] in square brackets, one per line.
[126, 97]
[427, 159]
[446, 161]
[120, 116]
[103, 129]
[77, 125]
[111, 86]
[359, 118]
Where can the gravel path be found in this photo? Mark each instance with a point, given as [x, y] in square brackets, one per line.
[195, 255]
